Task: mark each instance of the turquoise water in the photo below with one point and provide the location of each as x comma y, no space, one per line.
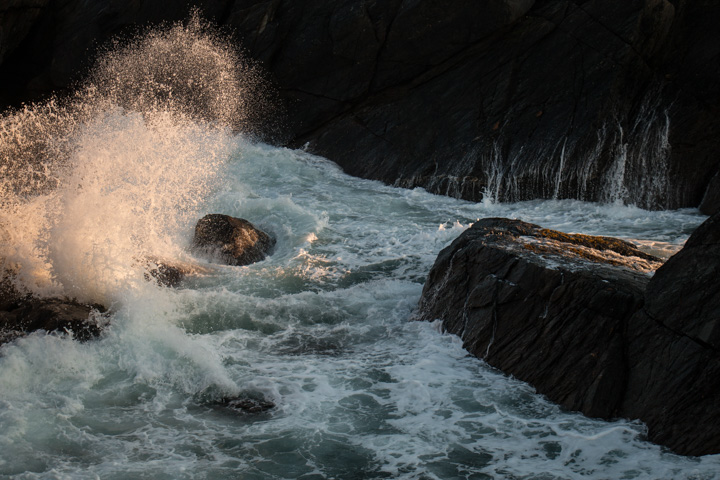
322,328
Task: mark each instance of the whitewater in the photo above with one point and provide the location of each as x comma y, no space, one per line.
165,132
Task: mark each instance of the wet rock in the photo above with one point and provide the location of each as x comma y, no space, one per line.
17,18
164,274
247,404
674,349
580,319
517,87
546,307
171,273
711,200
232,240
23,314
552,94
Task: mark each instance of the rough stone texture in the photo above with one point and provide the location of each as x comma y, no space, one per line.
171,273
559,328
247,404
587,328
24,314
711,200
521,98
165,274
232,240
674,348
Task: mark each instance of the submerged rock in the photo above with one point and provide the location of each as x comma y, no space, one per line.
165,274
234,241
247,404
170,273
580,319
23,314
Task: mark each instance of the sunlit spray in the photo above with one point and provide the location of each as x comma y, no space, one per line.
96,184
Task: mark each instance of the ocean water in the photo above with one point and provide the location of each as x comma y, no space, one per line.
322,328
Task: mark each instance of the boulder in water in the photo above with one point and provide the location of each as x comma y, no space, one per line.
247,404
235,241
580,318
23,314
165,274
170,273
547,307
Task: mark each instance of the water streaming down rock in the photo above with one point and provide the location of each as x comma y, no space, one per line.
626,162
421,94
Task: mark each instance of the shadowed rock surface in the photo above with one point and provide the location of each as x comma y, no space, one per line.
23,314
674,348
590,99
542,306
171,273
247,404
580,319
234,241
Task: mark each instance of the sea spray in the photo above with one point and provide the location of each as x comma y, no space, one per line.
319,328
96,183
188,69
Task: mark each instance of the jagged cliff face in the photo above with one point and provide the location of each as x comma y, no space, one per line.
513,99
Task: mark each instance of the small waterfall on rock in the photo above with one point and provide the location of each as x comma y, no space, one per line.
626,163
639,172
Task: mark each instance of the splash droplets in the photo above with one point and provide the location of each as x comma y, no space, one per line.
93,183
189,70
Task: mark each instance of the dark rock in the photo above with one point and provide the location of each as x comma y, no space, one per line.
673,385
711,200
590,99
17,18
171,273
60,39
165,274
683,294
578,318
674,348
247,404
547,307
572,99
23,314
232,240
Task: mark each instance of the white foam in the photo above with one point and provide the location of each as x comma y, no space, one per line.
320,327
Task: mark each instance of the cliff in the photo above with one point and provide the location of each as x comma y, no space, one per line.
516,99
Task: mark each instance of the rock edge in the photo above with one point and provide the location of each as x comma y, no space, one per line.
591,330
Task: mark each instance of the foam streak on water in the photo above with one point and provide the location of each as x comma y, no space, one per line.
321,328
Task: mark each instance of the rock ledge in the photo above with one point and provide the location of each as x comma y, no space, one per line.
580,318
